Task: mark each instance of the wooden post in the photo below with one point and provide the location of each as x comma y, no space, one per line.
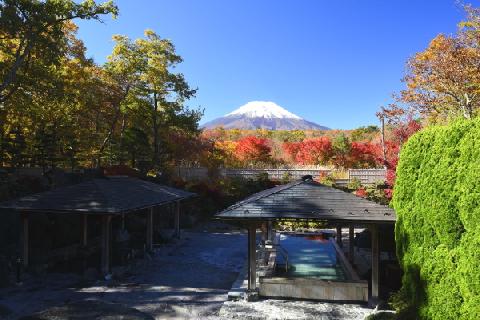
25,240
351,246
264,233
177,220
85,230
252,258
375,262
149,232
270,231
339,236
106,243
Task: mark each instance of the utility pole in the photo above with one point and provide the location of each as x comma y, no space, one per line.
381,116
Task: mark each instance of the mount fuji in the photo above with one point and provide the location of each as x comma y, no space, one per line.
262,115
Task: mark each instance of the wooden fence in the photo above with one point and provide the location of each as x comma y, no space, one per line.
365,176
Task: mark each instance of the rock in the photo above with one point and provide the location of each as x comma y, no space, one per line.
91,274
4,311
251,295
119,272
4,279
382,315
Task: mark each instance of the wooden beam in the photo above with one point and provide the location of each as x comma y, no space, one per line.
177,219
252,258
375,262
149,232
25,240
106,244
351,244
85,230
339,236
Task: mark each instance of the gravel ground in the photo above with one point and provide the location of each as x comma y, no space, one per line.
292,310
189,280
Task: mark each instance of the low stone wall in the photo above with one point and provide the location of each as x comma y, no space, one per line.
314,289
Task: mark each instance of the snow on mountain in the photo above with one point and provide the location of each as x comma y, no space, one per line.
263,109
265,115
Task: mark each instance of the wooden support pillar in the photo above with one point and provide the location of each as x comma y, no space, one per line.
339,236
351,244
106,243
25,240
270,233
149,232
375,262
177,219
85,230
252,258
264,232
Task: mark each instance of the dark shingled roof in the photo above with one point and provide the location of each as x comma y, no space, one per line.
110,195
308,200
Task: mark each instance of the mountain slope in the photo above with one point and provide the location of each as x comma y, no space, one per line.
265,115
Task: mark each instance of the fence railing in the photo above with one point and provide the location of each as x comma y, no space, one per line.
365,176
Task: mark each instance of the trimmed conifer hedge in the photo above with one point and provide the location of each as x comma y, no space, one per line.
437,201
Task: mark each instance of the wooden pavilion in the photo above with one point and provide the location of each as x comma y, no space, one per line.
310,200
107,197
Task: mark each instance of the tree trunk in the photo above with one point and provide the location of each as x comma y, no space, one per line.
122,132
155,129
23,51
112,126
108,136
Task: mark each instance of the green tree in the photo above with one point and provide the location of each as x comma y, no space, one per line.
33,38
443,82
156,95
341,149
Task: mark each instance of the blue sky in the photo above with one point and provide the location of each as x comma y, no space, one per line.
331,62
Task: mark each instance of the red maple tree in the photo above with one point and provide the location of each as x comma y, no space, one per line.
310,151
253,149
364,155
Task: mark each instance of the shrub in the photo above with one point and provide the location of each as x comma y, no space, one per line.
354,184
328,180
437,200
382,315
286,177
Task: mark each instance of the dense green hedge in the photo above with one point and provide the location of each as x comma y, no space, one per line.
437,200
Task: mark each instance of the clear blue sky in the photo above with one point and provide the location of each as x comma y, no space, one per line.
332,62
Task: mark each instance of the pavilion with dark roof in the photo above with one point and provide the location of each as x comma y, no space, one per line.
309,200
106,197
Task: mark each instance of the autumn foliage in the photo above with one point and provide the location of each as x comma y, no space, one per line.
364,155
310,151
253,149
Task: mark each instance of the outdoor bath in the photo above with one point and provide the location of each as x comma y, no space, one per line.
316,270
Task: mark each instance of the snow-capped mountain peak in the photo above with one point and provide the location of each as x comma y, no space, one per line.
262,115
263,109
